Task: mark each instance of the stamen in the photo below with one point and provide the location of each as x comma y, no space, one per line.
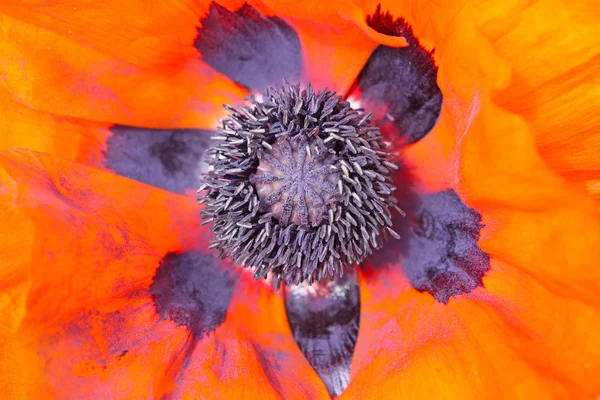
299,185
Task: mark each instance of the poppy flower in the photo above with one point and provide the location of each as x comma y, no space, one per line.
478,124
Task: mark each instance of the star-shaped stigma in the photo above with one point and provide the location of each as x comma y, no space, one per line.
297,181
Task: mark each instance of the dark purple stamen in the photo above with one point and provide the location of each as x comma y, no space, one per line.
299,185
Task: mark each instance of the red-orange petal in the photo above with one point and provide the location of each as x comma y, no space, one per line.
114,226
75,240
72,139
513,338
163,158
555,77
532,329
491,157
334,52
563,113
134,31
61,60
335,38
332,12
80,249
548,61
86,74
536,220
252,350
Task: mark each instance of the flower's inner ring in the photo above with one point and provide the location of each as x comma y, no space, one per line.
299,185
296,181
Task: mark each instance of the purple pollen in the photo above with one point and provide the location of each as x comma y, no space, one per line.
299,185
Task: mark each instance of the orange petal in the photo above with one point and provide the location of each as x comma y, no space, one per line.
112,235
433,162
511,339
77,306
131,353
501,174
334,52
335,38
555,79
548,60
430,21
252,350
20,366
133,31
333,13
115,226
59,73
491,159
163,158
536,220
76,140
593,187
465,80
494,342
563,113
120,351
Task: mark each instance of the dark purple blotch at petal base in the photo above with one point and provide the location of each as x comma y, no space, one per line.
254,51
324,318
438,249
401,81
168,159
441,255
194,290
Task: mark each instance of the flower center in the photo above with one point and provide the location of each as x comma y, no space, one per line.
299,185
296,181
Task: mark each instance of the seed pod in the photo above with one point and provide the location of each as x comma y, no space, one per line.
290,180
